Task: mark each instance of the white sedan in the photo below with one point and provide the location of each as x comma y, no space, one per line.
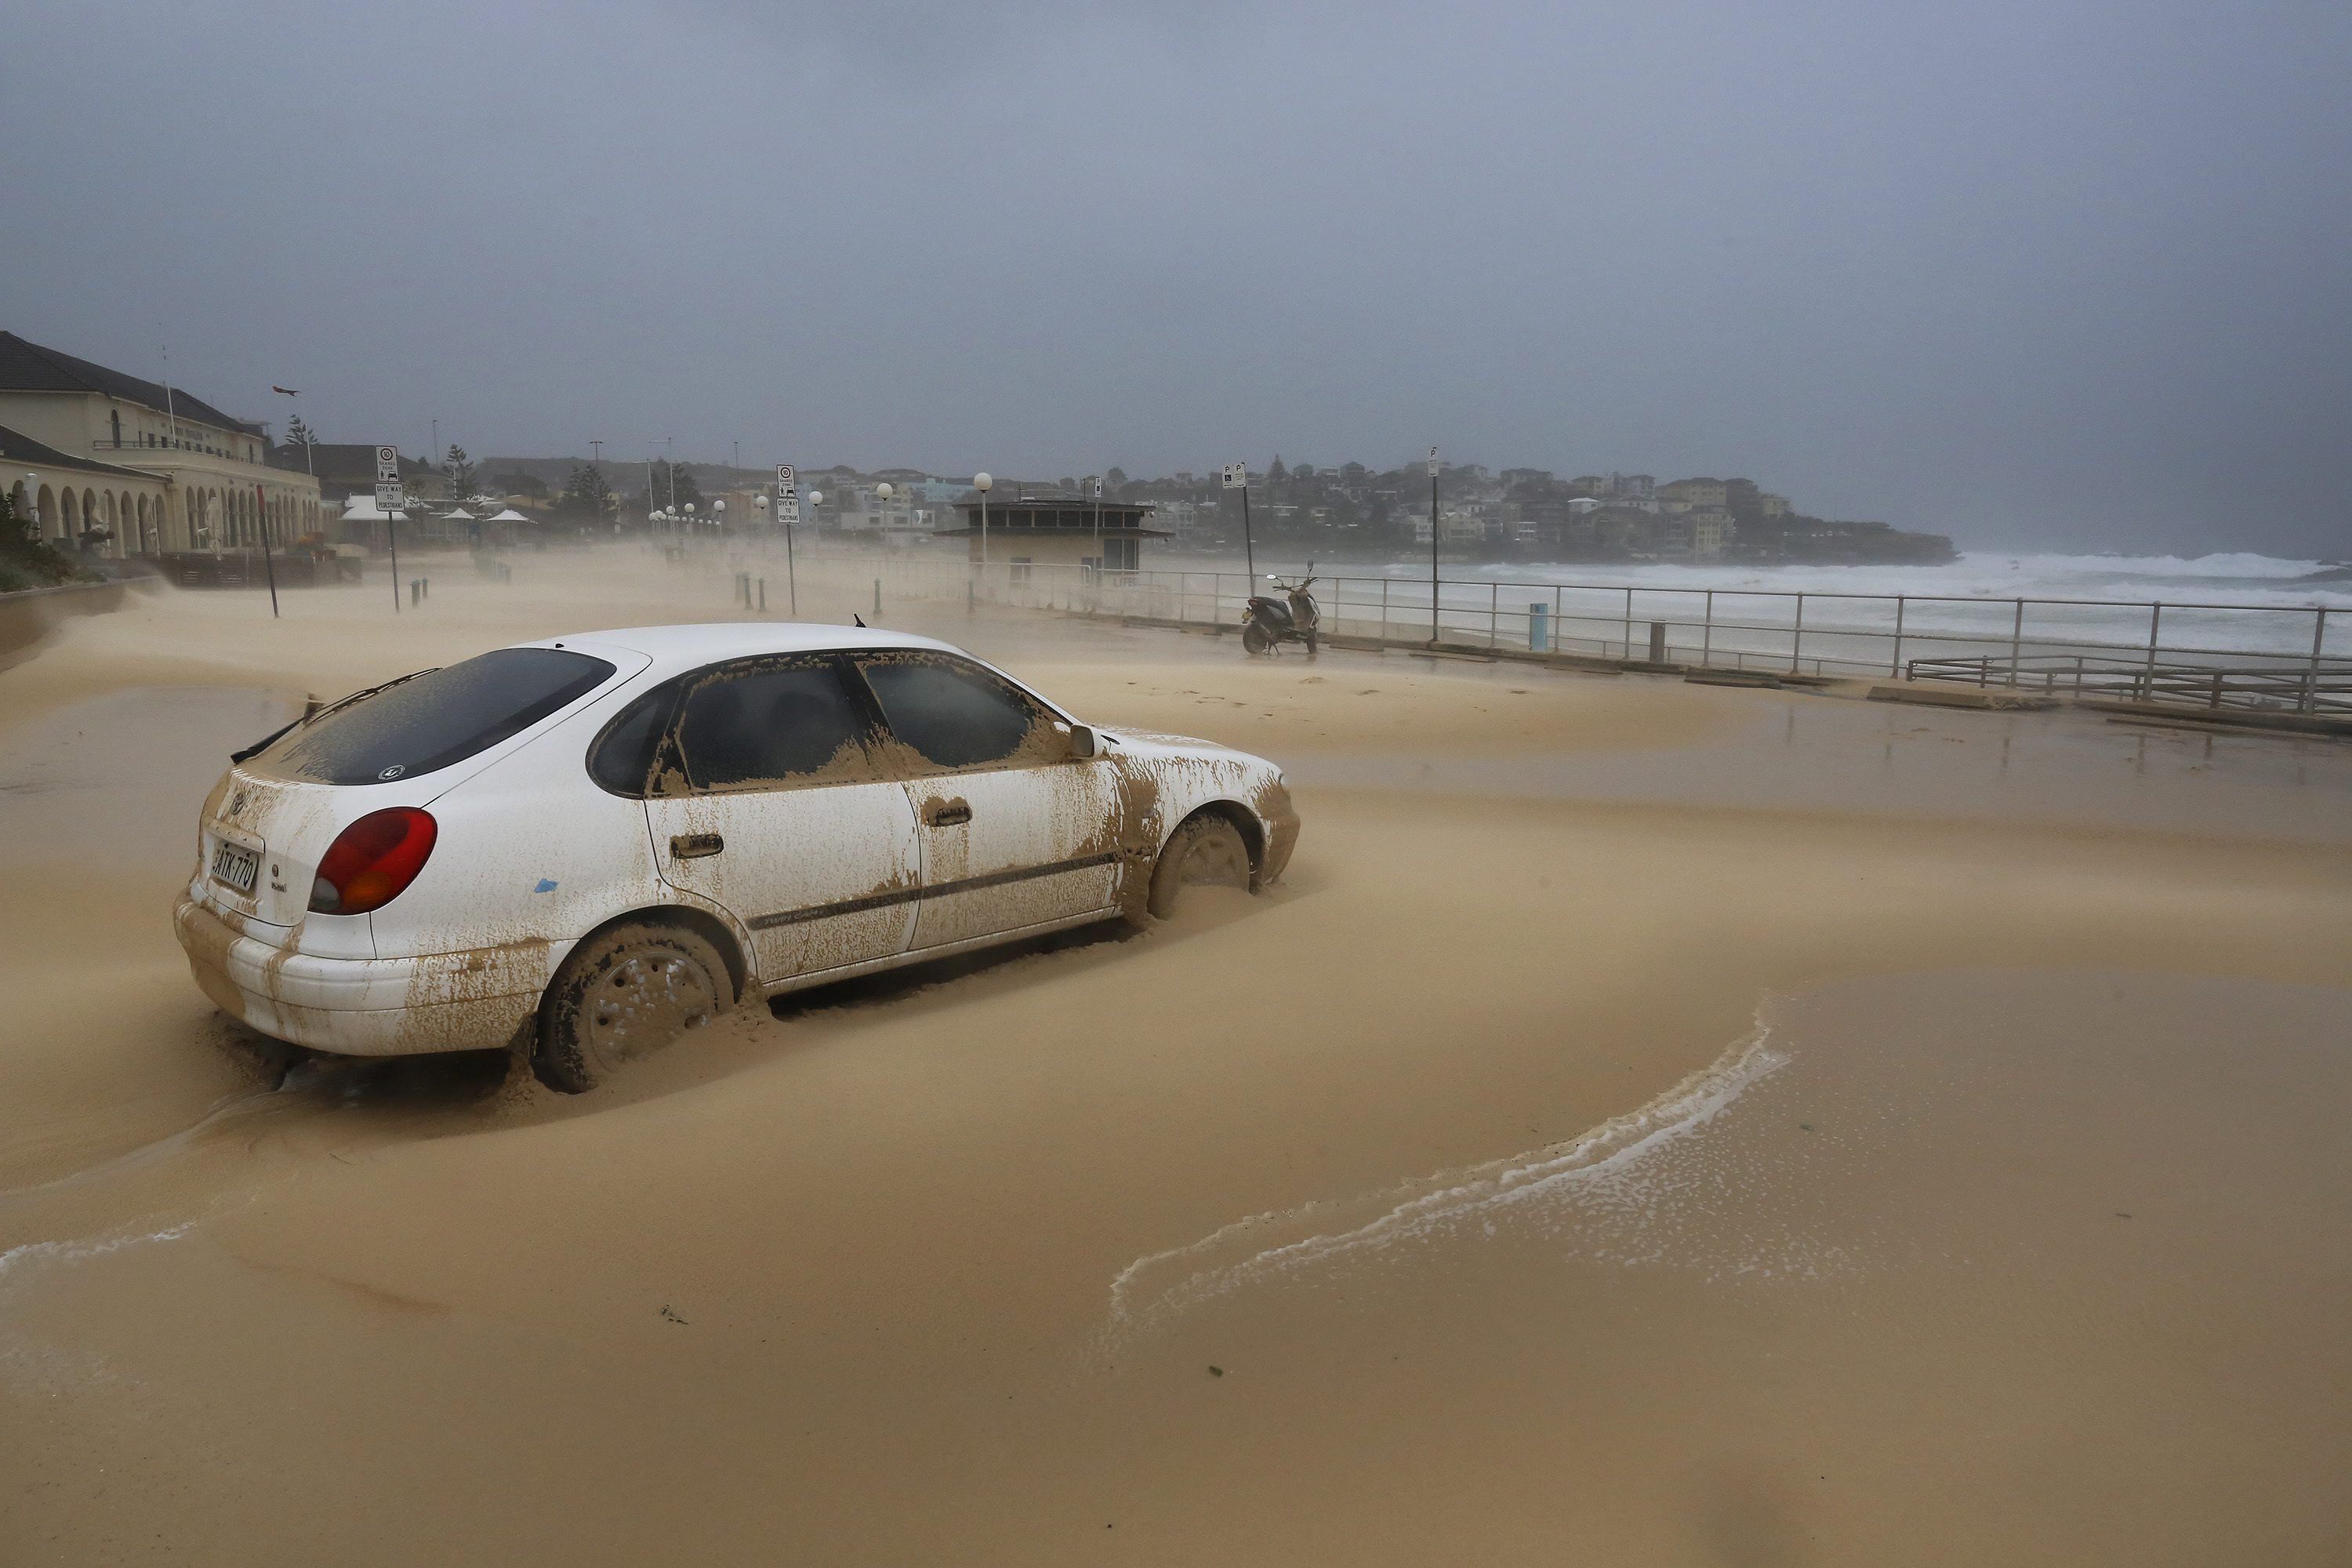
582,846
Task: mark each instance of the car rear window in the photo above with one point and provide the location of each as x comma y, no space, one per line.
431,720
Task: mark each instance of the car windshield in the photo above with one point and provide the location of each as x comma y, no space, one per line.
431,720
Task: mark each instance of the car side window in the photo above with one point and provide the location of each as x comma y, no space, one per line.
764,725
623,757
952,713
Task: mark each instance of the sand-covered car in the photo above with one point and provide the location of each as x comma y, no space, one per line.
581,846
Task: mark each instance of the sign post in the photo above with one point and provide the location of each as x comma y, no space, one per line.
261,510
387,501
1237,478
1432,547
788,513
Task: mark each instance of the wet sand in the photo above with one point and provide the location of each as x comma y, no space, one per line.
1649,1124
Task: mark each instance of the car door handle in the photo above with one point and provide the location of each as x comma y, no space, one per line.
694,846
947,814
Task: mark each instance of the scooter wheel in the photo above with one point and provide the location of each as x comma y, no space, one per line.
1255,638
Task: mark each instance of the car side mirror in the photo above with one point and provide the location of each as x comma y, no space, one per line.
1083,743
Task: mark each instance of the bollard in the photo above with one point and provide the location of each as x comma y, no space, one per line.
1539,629
1657,642
877,598
763,595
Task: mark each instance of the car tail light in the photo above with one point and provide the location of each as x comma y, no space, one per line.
371,861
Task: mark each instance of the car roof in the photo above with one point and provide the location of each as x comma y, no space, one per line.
673,648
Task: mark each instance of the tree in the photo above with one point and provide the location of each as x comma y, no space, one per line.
1115,482
586,497
673,485
299,433
457,469
1275,473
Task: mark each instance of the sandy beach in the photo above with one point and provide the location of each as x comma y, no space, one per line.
1648,1123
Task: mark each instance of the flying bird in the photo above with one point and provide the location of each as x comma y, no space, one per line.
287,390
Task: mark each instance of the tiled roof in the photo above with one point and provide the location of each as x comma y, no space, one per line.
28,367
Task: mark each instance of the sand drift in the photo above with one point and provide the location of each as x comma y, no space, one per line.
2013,1227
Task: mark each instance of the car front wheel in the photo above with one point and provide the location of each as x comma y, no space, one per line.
1207,851
622,994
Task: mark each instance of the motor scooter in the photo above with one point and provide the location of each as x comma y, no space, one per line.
1267,620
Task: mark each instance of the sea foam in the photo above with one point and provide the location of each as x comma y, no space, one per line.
1265,1246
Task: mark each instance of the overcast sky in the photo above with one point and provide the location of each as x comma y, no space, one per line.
2055,273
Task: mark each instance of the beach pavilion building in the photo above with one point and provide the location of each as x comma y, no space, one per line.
1055,528
135,468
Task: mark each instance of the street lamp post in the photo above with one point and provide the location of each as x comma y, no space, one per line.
983,484
1432,547
792,576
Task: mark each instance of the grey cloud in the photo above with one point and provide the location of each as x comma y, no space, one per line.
2068,274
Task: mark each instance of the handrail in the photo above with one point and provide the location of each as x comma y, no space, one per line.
1827,632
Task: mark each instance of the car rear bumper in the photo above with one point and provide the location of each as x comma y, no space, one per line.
366,1007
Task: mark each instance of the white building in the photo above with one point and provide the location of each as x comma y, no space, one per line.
138,466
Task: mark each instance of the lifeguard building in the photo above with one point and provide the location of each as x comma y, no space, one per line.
1057,529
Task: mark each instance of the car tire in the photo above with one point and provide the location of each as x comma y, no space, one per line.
624,993
1255,638
1207,850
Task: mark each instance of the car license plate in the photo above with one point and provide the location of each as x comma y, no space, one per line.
236,866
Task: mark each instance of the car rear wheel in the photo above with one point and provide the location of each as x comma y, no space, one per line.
622,994
1207,851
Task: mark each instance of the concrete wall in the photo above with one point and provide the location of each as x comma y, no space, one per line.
26,617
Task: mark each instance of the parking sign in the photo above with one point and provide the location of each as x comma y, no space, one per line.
1236,476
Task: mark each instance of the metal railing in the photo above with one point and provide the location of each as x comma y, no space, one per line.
165,443
2298,658
2325,690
